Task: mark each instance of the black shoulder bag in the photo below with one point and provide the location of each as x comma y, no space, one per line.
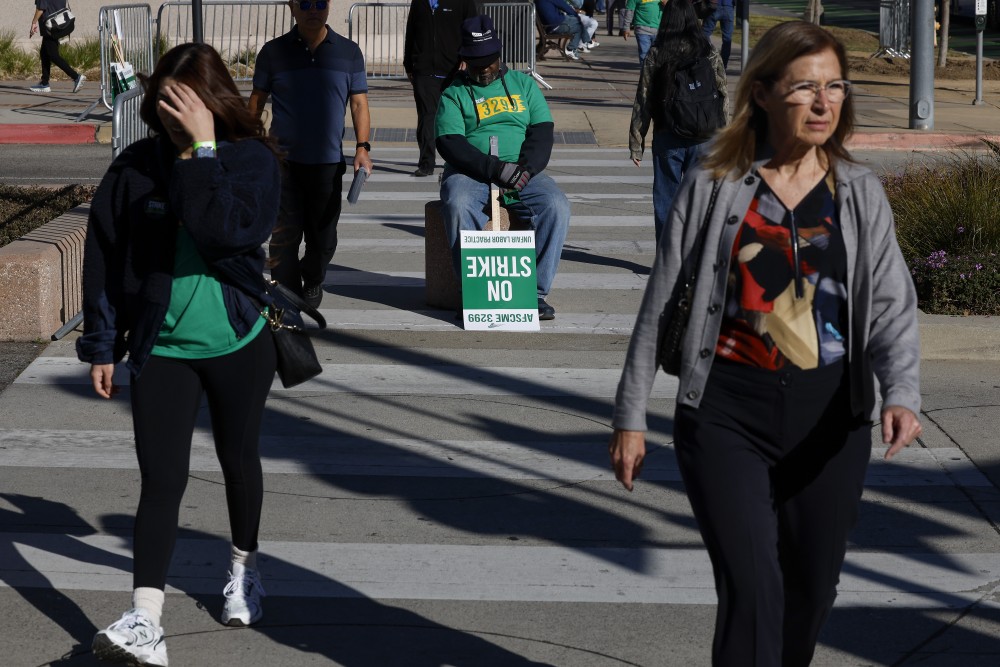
297,361
672,340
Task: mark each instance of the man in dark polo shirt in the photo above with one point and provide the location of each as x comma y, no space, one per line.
312,74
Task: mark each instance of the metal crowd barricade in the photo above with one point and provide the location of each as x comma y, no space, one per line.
131,26
126,125
515,23
893,29
237,29
379,29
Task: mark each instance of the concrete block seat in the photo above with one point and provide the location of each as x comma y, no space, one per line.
443,289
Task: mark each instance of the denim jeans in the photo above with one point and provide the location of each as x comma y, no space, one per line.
643,42
725,17
543,206
571,26
672,158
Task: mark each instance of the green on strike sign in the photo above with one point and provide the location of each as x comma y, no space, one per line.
499,285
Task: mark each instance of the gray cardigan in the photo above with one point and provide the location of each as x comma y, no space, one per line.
882,303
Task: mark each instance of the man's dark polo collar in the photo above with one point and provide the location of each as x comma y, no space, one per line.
294,33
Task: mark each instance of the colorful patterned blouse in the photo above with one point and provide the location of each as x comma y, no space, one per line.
786,306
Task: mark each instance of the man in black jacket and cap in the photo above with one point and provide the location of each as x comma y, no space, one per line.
430,58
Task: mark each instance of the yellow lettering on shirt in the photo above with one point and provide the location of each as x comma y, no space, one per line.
500,104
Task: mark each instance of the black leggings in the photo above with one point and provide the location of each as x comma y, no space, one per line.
50,56
166,398
773,465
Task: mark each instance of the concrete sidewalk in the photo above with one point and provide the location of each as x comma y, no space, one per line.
591,101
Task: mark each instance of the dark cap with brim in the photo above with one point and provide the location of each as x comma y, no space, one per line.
484,61
479,40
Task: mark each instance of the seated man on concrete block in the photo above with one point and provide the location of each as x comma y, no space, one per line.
484,100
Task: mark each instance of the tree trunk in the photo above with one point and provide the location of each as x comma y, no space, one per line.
945,25
814,10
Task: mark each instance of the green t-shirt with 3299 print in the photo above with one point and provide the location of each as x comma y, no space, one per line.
479,112
197,324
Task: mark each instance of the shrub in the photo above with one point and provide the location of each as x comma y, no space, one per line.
15,62
948,225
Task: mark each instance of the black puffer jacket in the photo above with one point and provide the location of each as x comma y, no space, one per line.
434,37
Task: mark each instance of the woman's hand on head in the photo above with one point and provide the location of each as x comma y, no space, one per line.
101,377
179,101
627,450
899,428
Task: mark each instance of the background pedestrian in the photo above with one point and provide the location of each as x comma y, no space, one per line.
49,52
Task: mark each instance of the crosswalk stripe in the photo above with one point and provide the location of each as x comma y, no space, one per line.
644,195
377,379
483,572
644,179
394,245
575,221
558,460
587,281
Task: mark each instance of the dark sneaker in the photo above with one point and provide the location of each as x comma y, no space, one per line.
78,84
421,172
313,295
545,311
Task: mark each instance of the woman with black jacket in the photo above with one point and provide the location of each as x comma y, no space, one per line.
173,276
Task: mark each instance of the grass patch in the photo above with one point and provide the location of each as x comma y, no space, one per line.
24,209
15,62
861,45
948,226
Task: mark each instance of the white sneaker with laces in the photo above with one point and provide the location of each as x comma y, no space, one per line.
132,639
40,88
571,54
78,84
592,44
243,594
583,48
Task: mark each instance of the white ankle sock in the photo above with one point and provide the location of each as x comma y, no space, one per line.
247,559
150,599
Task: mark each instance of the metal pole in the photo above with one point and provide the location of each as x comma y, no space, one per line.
745,33
197,31
922,66
979,68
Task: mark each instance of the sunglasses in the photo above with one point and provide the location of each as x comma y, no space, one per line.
306,5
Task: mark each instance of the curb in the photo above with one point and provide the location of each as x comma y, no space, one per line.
49,133
913,140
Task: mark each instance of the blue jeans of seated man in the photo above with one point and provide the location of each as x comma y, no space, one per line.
672,158
643,42
543,206
726,18
571,26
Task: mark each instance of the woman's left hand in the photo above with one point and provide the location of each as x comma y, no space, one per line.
190,111
899,428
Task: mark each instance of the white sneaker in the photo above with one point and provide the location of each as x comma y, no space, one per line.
571,54
78,84
243,594
40,88
592,44
132,639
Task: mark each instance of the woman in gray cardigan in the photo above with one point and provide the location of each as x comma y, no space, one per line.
801,301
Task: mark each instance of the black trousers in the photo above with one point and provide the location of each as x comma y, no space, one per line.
50,56
166,398
774,466
426,95
310,210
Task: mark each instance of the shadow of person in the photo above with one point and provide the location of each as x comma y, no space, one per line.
28,528
309,613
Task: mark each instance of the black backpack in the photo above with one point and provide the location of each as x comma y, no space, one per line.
689,103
